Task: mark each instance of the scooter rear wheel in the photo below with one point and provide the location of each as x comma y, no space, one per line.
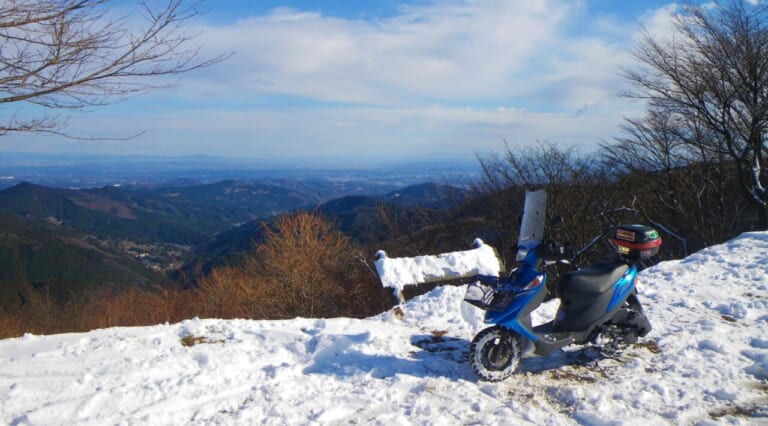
495,353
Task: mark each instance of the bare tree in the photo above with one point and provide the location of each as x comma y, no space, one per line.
71,54
579,188
711,76
688,188
650,144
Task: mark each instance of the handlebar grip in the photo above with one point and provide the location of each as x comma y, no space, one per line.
553,250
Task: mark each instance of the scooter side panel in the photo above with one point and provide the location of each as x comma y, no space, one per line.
584,314
623,288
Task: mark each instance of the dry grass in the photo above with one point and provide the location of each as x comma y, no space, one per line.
191,340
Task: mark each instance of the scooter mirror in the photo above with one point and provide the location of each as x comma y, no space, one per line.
556,222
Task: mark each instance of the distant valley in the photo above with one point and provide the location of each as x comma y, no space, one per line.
145,234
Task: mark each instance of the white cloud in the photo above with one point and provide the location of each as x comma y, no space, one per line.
451,76
474,51
659,22
445,51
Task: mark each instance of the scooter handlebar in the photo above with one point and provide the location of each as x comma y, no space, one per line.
554,250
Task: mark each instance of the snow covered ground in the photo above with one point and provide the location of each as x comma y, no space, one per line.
705,362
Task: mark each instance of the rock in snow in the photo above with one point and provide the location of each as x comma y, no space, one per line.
705,362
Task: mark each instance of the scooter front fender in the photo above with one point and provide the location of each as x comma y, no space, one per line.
514,317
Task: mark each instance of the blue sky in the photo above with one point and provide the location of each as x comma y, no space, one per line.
364,82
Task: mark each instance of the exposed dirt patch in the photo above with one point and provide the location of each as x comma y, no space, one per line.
191,340
574,376
437,335
439,343
446,347
524,395
754,409
104,205
398,312
748,410
754,296
649,345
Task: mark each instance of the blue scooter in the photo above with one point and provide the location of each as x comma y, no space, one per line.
598,303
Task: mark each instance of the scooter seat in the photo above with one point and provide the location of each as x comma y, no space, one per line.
590,281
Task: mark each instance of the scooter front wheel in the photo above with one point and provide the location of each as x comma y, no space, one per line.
495,353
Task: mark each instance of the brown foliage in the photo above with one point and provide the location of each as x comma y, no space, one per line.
232,292
304,263
135,307
40,313
10,325
304,268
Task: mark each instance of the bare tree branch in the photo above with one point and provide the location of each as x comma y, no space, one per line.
73,54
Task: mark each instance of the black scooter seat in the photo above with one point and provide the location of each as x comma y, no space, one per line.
591,281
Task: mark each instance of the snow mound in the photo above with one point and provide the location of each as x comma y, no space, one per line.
705,362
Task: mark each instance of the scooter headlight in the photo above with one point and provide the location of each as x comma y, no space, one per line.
522,252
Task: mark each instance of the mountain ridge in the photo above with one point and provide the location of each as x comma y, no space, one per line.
161,227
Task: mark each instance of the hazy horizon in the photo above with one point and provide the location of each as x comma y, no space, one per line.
97,170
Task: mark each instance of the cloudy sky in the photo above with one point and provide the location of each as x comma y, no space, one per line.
383,80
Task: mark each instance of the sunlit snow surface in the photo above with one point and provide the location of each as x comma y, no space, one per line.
705,362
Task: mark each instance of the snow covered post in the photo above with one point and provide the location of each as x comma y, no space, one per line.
397,273
382,259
